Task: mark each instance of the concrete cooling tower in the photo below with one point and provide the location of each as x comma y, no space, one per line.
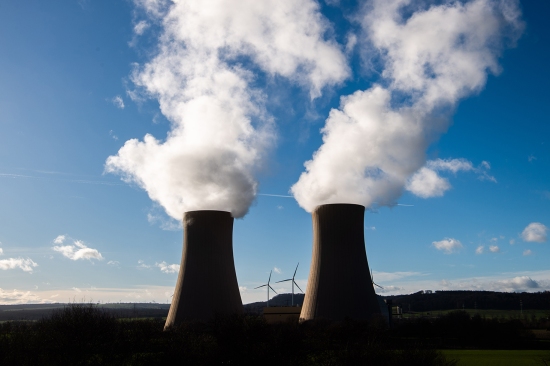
339,284
207,282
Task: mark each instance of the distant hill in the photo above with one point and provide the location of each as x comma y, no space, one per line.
418,302
447,300
278,300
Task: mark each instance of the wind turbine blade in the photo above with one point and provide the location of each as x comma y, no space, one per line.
296,270
377,285
290,279
269,276
298,286
259,286
272,289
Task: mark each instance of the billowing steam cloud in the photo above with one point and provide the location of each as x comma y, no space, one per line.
210,54
433,56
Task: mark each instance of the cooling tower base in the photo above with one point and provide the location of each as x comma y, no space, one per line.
339,284
207,282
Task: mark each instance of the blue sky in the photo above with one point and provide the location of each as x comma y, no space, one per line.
70,99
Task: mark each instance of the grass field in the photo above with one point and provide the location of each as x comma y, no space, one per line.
487,313
499,357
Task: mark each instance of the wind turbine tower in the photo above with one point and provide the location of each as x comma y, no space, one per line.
293,283
268,287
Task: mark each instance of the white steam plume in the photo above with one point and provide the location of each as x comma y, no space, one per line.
210,53
378,137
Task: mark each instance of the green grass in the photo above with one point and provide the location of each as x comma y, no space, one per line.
498,357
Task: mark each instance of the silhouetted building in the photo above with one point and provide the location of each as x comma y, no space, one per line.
339,284
207,282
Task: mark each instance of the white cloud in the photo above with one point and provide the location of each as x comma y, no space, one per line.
517,284
393,276
480,249
25,265
141,27
77,289
209,57
18,297
494,249
78,251
242,288
168,268
1,251
387,289
527,252
448,245
59,240
277,270
431,60
512,241
427,183
534,232
531,158
113,263
118,102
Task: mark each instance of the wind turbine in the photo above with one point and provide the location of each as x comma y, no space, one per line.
293,283
268,287
372,280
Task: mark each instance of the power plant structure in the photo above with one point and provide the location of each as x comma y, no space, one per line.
207,282
340,284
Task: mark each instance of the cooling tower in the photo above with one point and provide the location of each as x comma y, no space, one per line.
339,284
207,282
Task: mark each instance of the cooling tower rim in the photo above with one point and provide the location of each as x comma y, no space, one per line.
338,204
193,211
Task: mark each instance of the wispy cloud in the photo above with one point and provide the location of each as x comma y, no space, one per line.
156,217
142,265
168,268
81,181
77,251
515,281
277,270
393,276
427,182
141,27
118,102
448,245
527,252
25,265
480,249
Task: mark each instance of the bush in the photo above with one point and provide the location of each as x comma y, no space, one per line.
84,335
